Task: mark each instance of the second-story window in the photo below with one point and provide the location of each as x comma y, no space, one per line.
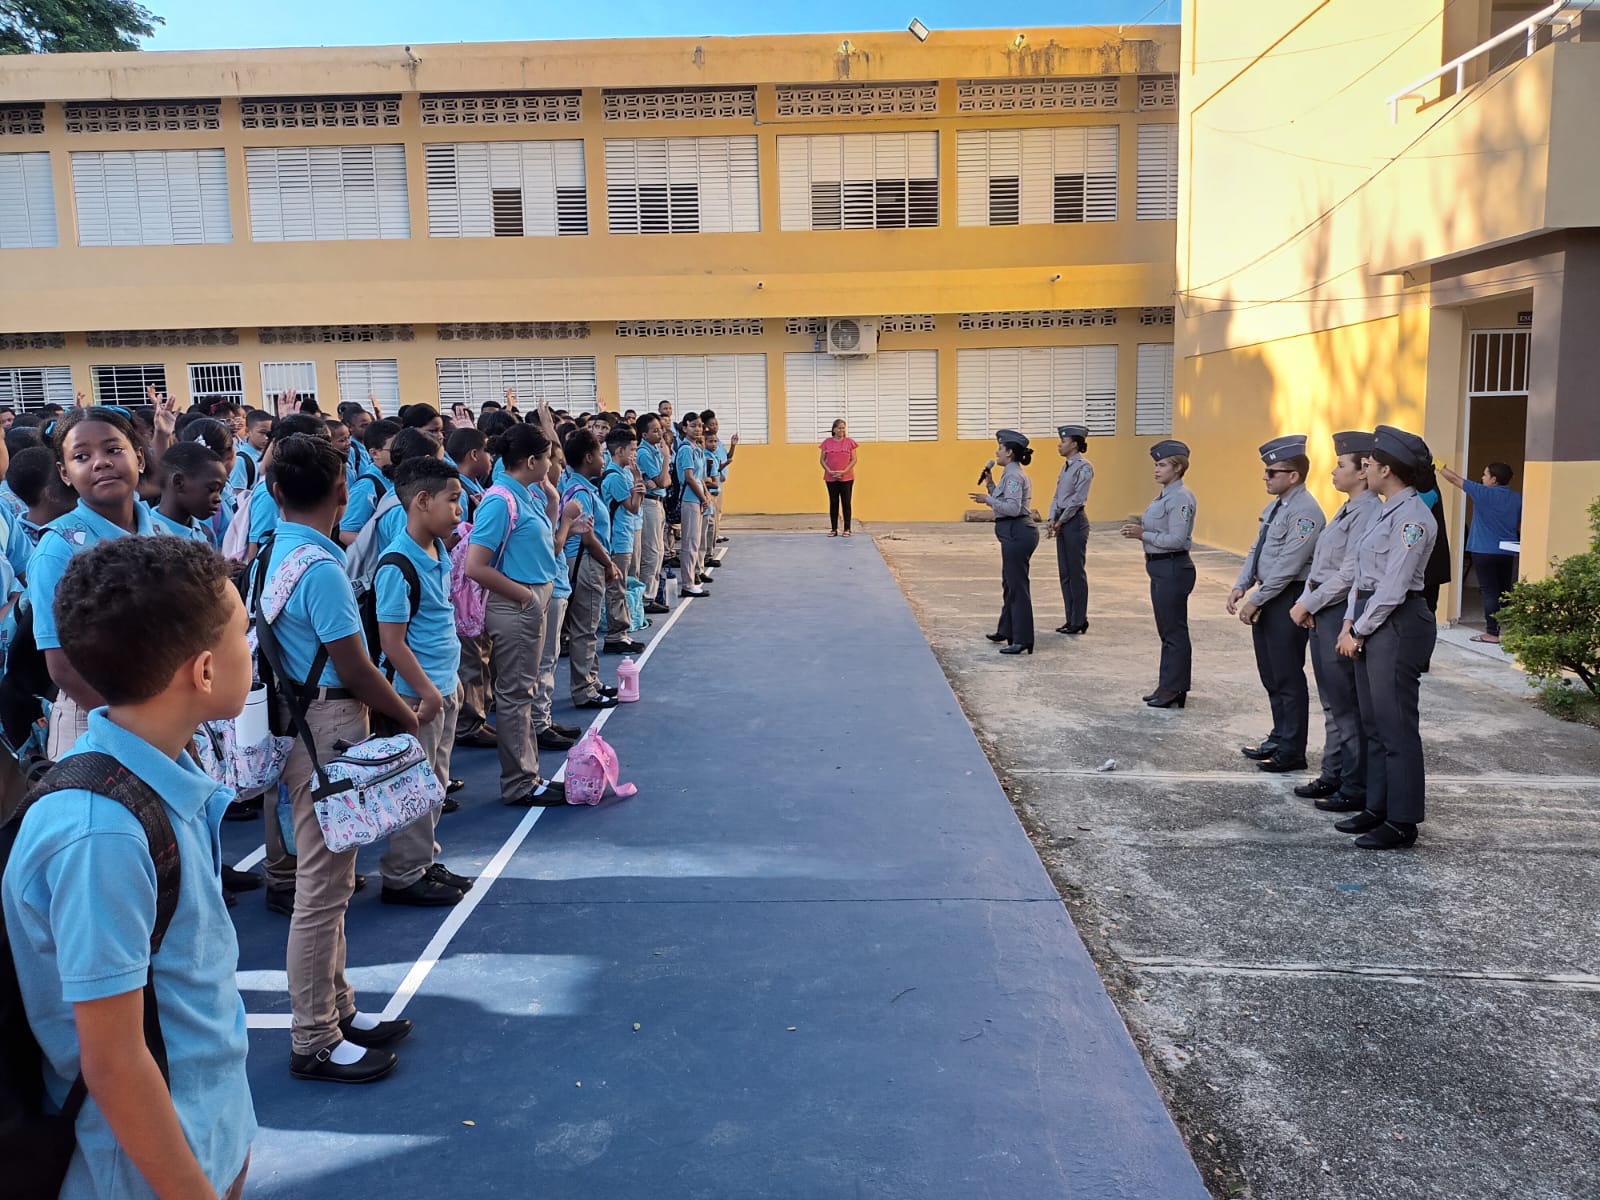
151,197
1158,173
507,189
1037,176
327,193
27,201
859,181
682,185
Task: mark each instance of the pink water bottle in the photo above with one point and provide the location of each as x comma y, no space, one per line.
627,681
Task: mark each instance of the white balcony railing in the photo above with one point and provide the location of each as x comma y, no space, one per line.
1561,19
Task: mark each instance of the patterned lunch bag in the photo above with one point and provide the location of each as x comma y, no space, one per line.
373,788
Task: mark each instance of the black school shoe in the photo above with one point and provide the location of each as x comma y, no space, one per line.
369,1068
623,647
1340,804
571,731
655,609
381,1035
1279,763
240,881
243,810
1265,749
1391,835
424,893
443,874
600,701
552,739
1363,822
548,794
1318,788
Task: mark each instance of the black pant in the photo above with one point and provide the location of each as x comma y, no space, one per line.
839,493
1019,538
1388,683
1072,547
1171,581
1281,664
1344,753
1497,573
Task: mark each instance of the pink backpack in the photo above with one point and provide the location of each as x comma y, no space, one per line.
591,768
466,595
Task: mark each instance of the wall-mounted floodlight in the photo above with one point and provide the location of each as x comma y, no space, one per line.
845,47
918,30
1055,279
1020,41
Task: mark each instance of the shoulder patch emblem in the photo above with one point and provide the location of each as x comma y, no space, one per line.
1188,512
1305,526
76,537
1411,534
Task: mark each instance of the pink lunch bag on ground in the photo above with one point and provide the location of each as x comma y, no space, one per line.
591,768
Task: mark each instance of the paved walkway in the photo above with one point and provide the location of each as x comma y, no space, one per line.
1326,1024
816,956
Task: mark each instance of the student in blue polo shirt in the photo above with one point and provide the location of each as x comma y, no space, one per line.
80,889
511,555
1496,518
371,485
263,514
652,464
622,489
251,448
192,479
422,655
37,481
215,436
102,456
468,449
408,445
330,1040
690,467
589,568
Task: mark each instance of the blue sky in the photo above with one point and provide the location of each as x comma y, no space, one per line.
233,24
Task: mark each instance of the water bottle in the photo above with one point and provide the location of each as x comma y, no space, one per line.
627,680
670,590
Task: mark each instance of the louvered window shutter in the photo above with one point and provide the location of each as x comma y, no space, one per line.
565,382
327,193
682,185
859,181
362,378
28,388
506,189
209,382
890,397
27,202
151,197
125,383
1035,389
1153,399
1158,173
1037,176
280,377
734,385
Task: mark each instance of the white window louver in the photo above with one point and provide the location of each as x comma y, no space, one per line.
1158,173
1152,409
567,383
1037,176
209,382
280,377
126,383
361,379
151,197
27,202
23,389
732,385
859,181
683,185
507,189
891,397
1034,389
327,193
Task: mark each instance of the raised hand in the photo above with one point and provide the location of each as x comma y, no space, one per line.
166,414
377,413
461,417
288,402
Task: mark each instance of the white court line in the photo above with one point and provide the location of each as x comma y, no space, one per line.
459,913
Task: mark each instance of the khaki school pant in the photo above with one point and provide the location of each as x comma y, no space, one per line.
583,629
473,709
516,638
544,693
652,546
410,849
690,544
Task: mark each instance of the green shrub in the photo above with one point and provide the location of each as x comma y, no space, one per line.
1552,625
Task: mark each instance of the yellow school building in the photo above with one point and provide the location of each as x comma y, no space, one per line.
1389,211
928,238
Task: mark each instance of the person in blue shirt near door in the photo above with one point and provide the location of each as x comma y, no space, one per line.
1496,518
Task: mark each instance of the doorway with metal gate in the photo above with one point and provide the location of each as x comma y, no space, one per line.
1496,427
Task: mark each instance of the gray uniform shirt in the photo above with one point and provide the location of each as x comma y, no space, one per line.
1333,565
1012,496
1391,559
1283,545
1169,521
1072,489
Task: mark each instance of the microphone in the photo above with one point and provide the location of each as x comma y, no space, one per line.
986,471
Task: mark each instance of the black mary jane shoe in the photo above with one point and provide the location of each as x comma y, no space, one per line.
997,637
1363,822
1317,789
370,1067
1388,836
380,1035
1015,649
1168,700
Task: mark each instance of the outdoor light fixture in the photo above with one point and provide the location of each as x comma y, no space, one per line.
845,47
1055,278
1020,41
918,30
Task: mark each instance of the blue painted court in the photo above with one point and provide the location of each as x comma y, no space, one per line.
849,973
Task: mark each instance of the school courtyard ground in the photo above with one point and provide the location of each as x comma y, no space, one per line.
818,954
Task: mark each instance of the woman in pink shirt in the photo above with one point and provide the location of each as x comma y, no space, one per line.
839,472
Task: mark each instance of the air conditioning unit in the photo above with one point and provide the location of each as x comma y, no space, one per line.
852,337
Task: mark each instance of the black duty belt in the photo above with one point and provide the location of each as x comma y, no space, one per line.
326,693
1166,554
1368,595
657,499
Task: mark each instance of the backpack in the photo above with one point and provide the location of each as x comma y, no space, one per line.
236,542
591,768
36,1145
361,559
367,605
467,596
673,504
249,472
26,691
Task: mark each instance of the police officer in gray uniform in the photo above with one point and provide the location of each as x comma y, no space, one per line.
1342,784
1012,501
1276,567
1068,523
1166,531
1389,631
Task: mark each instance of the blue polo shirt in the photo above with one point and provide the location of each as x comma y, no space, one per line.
431,634
241,476
617,485
193,530
471,493
12,502
14,539
321,609
69,534
365,492
1496,517
80,903
528,555
263,513
650,464
576,487
686,460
